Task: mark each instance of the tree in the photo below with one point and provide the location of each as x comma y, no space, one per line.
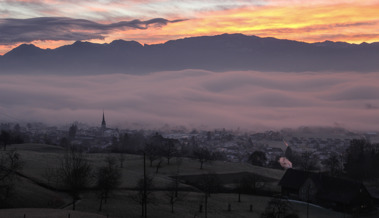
361,159
249,184
10,164
152,152
202,154
169,149
278,208
108,179
172,192
64,142
72,131
209,183
144,194
121,158
5,138
74,173
309,161
258,158
333,163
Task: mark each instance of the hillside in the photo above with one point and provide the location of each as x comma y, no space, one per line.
38,158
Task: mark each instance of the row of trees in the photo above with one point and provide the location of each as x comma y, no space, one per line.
360,160
10,137
75,173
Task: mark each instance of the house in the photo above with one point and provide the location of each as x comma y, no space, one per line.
337,193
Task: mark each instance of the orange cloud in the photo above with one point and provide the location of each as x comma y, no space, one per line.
349,20
352,23
310,23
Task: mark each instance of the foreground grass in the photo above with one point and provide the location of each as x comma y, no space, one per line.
39,158
45,213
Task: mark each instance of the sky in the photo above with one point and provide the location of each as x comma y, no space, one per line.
248,100
192,98
53,23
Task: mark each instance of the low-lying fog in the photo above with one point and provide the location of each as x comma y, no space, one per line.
248,99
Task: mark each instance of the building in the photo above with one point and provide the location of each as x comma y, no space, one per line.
108,132
332,192
103,124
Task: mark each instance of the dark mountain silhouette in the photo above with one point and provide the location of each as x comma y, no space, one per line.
217,53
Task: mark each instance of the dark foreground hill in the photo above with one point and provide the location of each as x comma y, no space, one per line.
217,53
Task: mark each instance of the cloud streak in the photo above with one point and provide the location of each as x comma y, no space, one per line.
352,21
68,29
193,98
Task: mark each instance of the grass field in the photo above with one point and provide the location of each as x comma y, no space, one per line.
38,158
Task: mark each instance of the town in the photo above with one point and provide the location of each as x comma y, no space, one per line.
230,145
306,154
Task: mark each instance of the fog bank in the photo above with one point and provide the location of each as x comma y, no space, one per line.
193,98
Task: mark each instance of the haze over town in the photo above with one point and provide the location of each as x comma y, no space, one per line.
250,100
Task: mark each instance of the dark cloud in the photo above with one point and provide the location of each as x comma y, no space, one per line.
370,106
194,98
64,28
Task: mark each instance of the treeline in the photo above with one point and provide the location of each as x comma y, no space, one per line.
158,148
8,137
359,161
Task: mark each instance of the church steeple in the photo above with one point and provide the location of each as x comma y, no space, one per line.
103,124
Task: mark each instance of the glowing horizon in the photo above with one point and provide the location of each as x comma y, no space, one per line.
158,21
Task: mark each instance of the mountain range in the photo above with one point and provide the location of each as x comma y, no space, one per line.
216,53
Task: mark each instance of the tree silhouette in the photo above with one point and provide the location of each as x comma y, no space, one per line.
74,173
172,192
10,165
334,164
5,138
145,194
308,161
258,158
202,154
361,160
169,149
72,131
278,208
108,178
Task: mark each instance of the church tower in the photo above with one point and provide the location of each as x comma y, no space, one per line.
103,124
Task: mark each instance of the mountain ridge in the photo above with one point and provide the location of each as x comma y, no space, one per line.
217,53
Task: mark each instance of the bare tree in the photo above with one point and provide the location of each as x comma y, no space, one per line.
152,152
209,183
278,208
72,130
10,165
249,184
121,158
172,192
5,138
74,173
144,194
309,161
258,158
108,178
169,149
334,164
202,154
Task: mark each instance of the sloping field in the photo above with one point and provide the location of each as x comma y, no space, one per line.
45,213
39,158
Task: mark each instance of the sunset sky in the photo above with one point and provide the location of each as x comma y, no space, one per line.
52,23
